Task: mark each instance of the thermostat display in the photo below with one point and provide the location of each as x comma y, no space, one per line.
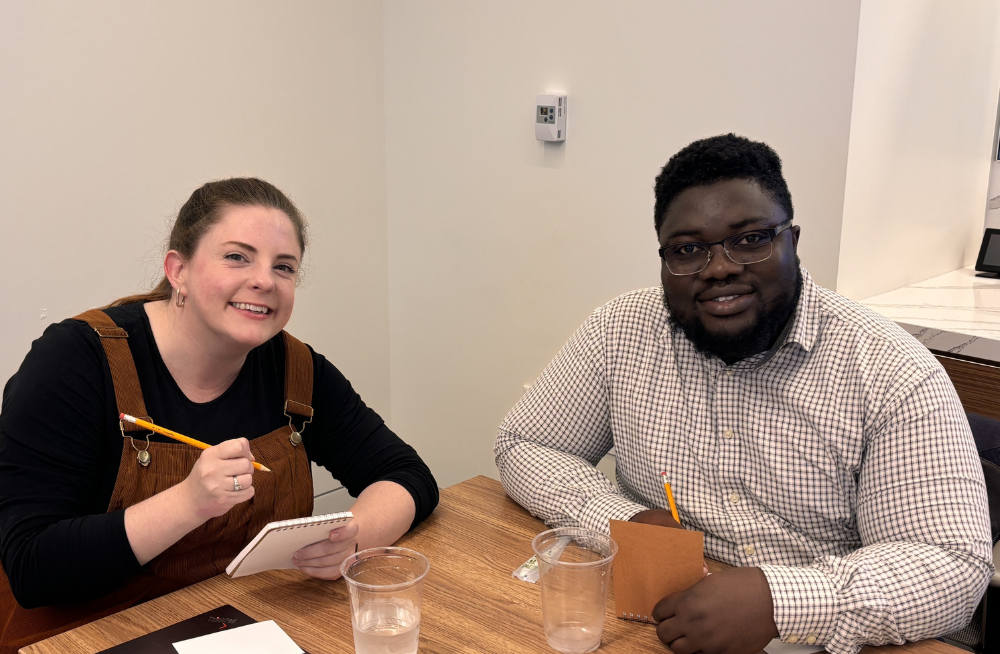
550,117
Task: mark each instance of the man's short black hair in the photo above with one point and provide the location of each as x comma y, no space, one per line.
717,159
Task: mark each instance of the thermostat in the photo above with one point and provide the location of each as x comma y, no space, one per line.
550,117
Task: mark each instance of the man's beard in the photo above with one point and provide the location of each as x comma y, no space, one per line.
757,338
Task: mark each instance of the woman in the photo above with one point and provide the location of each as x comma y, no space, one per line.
95,518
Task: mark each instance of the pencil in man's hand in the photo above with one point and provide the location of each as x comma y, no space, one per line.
670,497
177,437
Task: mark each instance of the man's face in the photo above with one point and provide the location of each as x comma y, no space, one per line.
730,310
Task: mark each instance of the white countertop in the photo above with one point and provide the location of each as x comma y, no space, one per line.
955,302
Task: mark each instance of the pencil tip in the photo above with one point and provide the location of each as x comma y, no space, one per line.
264,468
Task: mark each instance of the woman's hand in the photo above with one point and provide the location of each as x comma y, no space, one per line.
211,486
322,560
159,521
382,513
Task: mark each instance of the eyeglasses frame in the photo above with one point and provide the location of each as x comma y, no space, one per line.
773,231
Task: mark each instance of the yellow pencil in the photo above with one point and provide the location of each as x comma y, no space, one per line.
177,437
670,497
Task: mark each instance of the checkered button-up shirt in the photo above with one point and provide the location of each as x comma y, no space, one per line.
840,462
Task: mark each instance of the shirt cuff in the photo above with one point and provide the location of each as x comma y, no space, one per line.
805,606
600,510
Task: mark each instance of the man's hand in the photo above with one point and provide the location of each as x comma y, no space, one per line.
656,517
729,612
661,518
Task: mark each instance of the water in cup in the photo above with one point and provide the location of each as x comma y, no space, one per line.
386,591
573,617
574,573
578,638
387,628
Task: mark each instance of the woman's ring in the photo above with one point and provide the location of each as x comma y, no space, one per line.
236,485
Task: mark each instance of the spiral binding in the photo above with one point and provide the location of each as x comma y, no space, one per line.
297,523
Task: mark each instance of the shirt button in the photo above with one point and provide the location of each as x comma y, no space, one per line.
728,433
810,639
729,373
792,639
735,498
749,550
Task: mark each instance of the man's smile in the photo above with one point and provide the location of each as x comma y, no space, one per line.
726,301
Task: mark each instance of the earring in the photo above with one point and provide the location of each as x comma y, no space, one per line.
180,299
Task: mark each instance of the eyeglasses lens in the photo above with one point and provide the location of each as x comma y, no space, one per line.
744,249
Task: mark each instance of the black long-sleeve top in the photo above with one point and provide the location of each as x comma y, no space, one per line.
60,449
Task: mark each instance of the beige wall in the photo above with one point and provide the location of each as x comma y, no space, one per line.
500,246
925,104
404,131
112,112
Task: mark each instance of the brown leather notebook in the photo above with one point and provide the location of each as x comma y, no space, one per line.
651,563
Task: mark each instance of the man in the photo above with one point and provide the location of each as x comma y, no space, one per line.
822,450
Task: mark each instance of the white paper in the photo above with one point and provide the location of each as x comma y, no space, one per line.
257,638
778,647
273,547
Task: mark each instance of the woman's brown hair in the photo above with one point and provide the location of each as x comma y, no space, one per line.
204,208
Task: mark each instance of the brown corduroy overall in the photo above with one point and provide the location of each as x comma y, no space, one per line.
205,552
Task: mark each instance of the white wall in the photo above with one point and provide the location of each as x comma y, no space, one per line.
112,112
500,246
993,194
925,102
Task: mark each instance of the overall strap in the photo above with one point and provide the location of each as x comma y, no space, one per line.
298,381
128,392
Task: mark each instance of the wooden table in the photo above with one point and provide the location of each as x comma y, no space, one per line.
474,540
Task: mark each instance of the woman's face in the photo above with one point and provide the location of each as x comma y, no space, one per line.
240,281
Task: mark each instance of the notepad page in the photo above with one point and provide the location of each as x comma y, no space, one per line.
273,547
258,638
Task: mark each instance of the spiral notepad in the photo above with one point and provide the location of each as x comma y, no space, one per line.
652,562
273,547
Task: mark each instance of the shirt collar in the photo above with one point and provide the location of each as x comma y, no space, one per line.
803,328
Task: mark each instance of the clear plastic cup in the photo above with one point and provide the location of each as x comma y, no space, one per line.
386,586
574,569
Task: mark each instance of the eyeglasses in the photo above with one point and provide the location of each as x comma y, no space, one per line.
743,248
